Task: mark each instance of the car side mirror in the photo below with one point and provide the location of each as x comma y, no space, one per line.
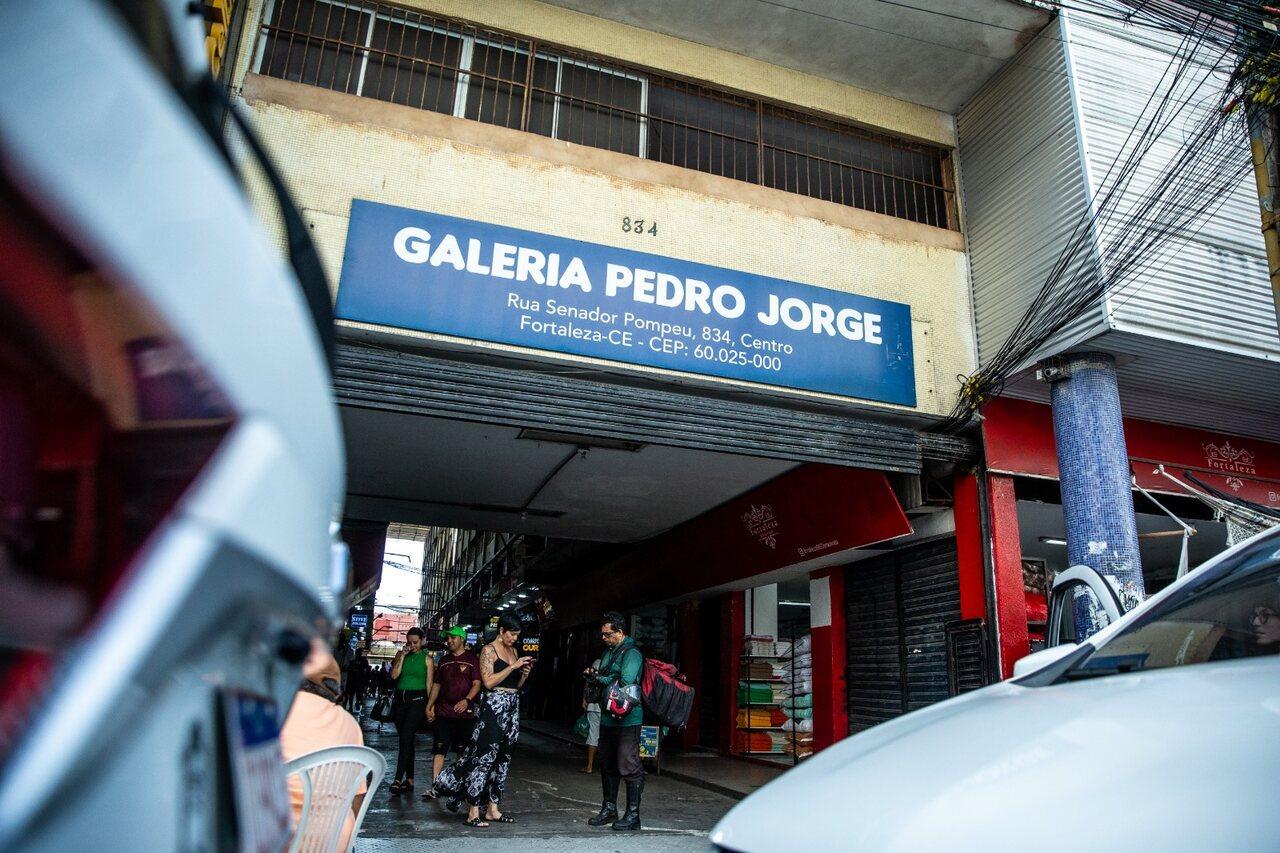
1041,659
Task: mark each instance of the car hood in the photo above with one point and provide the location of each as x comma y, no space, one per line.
1179,758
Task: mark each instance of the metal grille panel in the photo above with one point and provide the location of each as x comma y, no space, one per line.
405,57
419,384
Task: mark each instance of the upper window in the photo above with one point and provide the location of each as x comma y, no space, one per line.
406,57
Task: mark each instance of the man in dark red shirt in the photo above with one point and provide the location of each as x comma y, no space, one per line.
451,704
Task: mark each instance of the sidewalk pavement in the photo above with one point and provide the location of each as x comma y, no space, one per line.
550,800
732,777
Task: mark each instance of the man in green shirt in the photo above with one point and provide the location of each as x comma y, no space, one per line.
619,753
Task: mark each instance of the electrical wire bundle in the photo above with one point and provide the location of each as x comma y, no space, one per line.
1126,232
1250,31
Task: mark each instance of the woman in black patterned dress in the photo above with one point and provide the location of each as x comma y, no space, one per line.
480,775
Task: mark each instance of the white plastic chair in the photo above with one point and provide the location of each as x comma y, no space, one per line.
330,779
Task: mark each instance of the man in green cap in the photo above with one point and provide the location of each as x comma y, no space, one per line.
451,705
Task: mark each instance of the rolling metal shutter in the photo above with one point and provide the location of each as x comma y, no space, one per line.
390,380
930,599
898,607
874,660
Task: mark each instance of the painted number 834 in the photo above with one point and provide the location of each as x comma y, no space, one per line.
639,226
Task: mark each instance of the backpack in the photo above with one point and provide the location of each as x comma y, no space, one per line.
665,693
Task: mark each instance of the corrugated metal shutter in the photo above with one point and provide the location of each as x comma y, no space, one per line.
436,387
874,659
1206,286
897,608
930,599
1022,174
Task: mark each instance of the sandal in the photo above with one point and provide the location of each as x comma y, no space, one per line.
502,818
396,787
477,822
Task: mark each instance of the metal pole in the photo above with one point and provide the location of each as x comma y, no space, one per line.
1266,172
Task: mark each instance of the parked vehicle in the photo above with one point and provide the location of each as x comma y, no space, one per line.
171,468
1160,732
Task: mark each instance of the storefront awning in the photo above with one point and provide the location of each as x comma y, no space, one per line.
808,513
1019,440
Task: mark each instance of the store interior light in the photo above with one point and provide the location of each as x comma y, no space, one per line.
793,604
521,595
1053,540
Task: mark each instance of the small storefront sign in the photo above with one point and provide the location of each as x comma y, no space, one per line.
433,273
649,736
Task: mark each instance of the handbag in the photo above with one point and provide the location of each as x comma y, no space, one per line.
382,710
582,728
594,693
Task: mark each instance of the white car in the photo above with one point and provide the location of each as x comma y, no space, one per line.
1160,732
171,468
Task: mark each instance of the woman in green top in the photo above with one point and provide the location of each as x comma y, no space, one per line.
413,671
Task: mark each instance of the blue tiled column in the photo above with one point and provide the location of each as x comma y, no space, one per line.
1093,465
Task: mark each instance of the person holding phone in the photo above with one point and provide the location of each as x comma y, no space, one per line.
482,773
619,671
412,671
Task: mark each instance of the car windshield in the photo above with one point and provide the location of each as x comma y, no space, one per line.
1230,611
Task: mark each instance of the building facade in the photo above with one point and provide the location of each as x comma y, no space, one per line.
659,313
1164,394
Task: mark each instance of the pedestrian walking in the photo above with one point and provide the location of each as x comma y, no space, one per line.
412,670
591,694
357,682
480,776
618,675
451,704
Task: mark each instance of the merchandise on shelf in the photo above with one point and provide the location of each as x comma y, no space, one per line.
756,669
760,718
803,700
767,742
759,644
761,692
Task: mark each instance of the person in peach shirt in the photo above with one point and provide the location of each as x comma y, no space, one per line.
316,720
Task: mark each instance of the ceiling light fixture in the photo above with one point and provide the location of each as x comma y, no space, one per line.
1053,540
578,440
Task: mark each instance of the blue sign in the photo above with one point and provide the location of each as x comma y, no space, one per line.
648,741
416,270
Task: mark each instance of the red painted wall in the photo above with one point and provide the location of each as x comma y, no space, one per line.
970,559
1019,440
830,709
690,664
733,625
1006,554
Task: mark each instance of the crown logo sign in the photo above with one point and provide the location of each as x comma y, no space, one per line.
762,524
